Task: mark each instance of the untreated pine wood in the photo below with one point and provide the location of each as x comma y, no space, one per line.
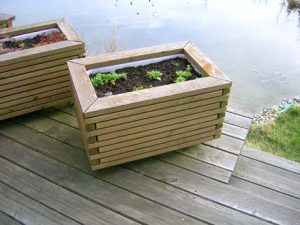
81,86
34,92
35,108
194,54
31,62
156,119
154,95
160,124
132,55
32,86
33,74
36,67
164,142
161,111
34,97
30,104
149,154
116,148
148,132
41,51
158,105
33,80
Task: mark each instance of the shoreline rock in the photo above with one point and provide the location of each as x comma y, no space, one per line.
270,114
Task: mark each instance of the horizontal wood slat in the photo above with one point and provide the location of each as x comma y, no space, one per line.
40,66
159,112
33,80
154,95
37,52
175,139
34,74
131,55
34,97
189,142
119,148
155,106
30,104
156,119
32,86
35,108
26,63
183,119
35,91
148,132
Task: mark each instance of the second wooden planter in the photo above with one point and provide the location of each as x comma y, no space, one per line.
35,78
135,125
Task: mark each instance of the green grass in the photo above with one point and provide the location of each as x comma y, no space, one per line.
281,137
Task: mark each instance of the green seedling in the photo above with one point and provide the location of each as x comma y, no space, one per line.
154,75
107,78
183,75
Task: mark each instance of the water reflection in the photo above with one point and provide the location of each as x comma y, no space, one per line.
255,42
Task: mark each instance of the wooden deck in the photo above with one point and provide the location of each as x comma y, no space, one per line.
45,179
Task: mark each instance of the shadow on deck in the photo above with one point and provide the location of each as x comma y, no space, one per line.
45,179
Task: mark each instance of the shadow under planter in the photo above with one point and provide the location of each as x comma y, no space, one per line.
37,77
139,124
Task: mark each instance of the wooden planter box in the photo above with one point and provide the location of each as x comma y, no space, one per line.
35,78
134,125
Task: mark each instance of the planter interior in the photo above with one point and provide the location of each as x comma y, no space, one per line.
36,78
135,125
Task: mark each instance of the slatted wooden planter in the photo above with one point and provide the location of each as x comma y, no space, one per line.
134,125
35,78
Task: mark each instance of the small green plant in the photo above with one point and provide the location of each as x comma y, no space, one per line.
107,78
183,75
137,88
154,75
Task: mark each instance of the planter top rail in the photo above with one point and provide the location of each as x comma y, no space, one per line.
90,103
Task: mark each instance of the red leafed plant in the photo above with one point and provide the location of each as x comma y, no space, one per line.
39,40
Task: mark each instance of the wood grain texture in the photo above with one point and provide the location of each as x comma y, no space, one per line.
202,116
162,111
75,53
41,51
270,159
65,201
83,89
95,190
155,106
68,30
26,210
36,108
131,55
194,54
154,95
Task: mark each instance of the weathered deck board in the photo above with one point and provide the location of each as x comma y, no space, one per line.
175,188
215,191
100,192
28,211
269,176
271,159
7,220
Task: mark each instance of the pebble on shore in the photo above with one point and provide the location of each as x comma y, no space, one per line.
270,114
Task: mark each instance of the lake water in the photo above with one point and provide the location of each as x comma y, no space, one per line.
256,43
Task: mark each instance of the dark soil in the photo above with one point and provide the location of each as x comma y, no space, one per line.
136,77
39,40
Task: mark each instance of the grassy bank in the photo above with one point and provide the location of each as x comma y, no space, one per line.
281,137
